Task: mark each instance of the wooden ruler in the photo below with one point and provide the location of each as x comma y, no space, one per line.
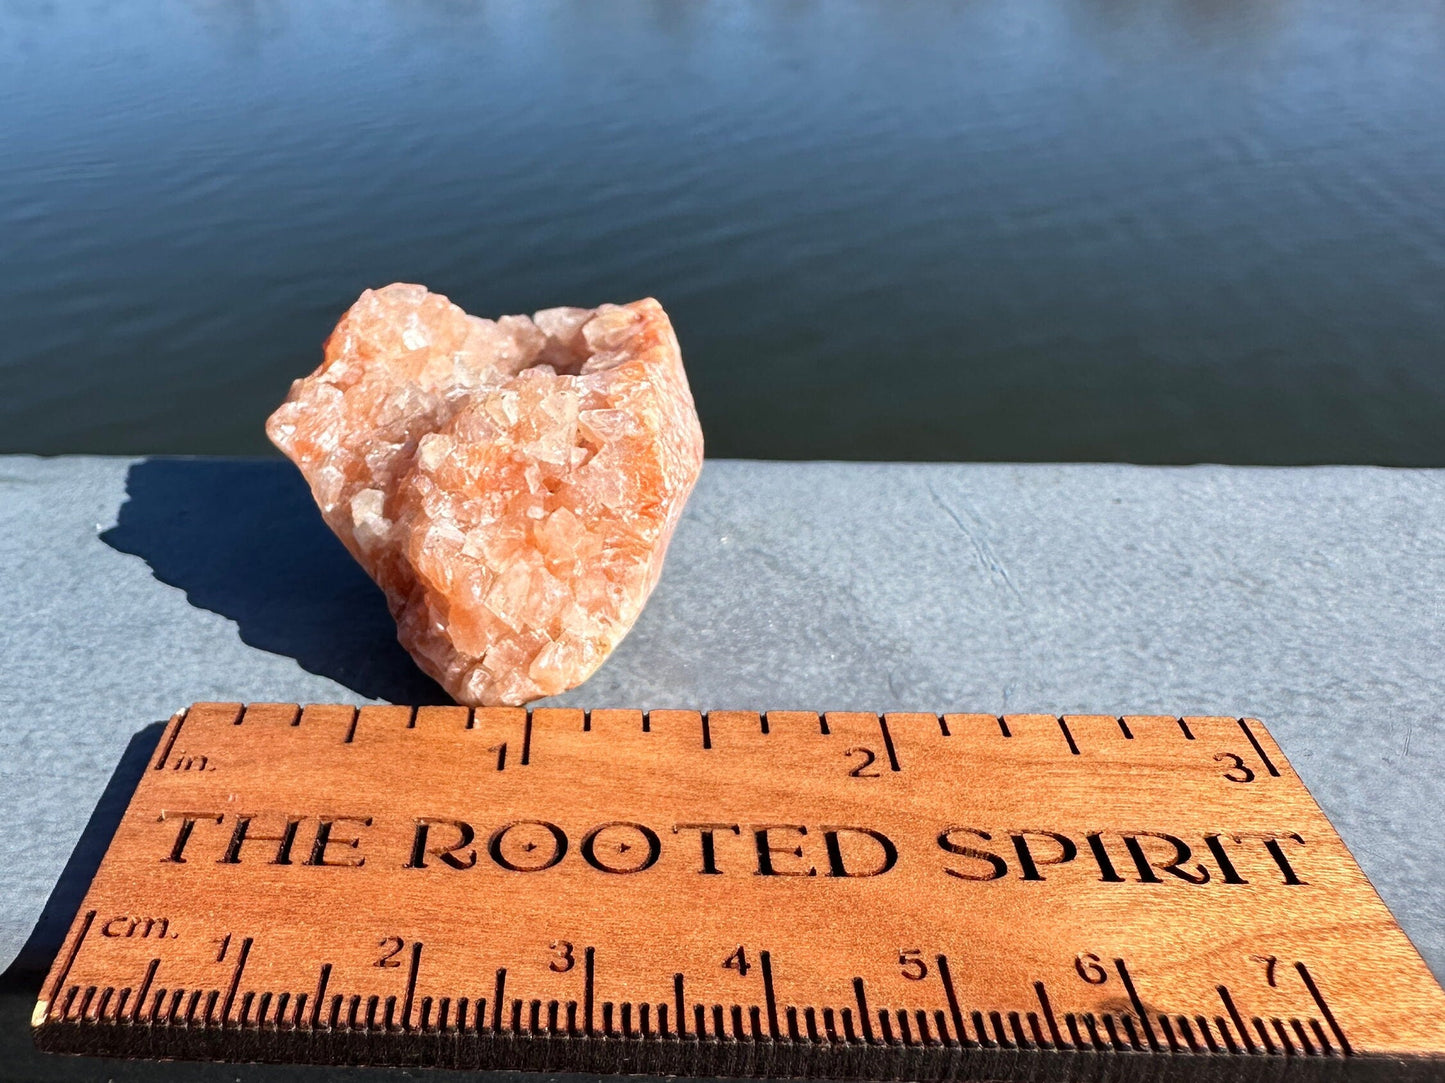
846,895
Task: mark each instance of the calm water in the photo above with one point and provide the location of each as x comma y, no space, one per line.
1155,230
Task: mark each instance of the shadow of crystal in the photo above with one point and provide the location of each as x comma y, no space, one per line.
244,539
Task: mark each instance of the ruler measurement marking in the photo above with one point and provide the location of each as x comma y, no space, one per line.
1305,1043
170,741
864,1021
411,985
1263,1032
589,987
766,959
888,744
1324,1008
946,976
1234,1014
1048,1010
145,986
1068,736
1259,748
235,980
322,979
59,981
498,990
1136,1002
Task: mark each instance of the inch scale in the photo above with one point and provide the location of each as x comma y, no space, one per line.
787,894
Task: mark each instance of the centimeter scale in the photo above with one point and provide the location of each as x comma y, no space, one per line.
785,894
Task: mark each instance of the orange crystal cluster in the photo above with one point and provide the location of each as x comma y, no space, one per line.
512,484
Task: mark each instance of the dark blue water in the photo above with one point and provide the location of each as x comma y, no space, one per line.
1154,230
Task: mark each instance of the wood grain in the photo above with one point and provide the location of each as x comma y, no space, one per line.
844,895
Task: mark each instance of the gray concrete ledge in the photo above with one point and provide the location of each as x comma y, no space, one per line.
1310,598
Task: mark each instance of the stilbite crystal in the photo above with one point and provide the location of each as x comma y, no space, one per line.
512,485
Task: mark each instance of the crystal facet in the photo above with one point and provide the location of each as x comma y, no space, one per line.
512,484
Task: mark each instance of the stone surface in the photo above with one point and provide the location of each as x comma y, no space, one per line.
1310,598
512,485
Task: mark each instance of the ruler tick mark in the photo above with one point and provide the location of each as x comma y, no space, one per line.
1263,1033
768,993
321,981
170,741
1324,1008
1048,1009
1259,748
145,985
1069,737
863,1019
235,979
946,976
1304,1041
70,955
1237,1018
888,744
1136,1002
527,738
678,1000
499,989
588,988
410,985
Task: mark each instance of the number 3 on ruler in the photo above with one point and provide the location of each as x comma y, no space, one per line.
1237,772
564,961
